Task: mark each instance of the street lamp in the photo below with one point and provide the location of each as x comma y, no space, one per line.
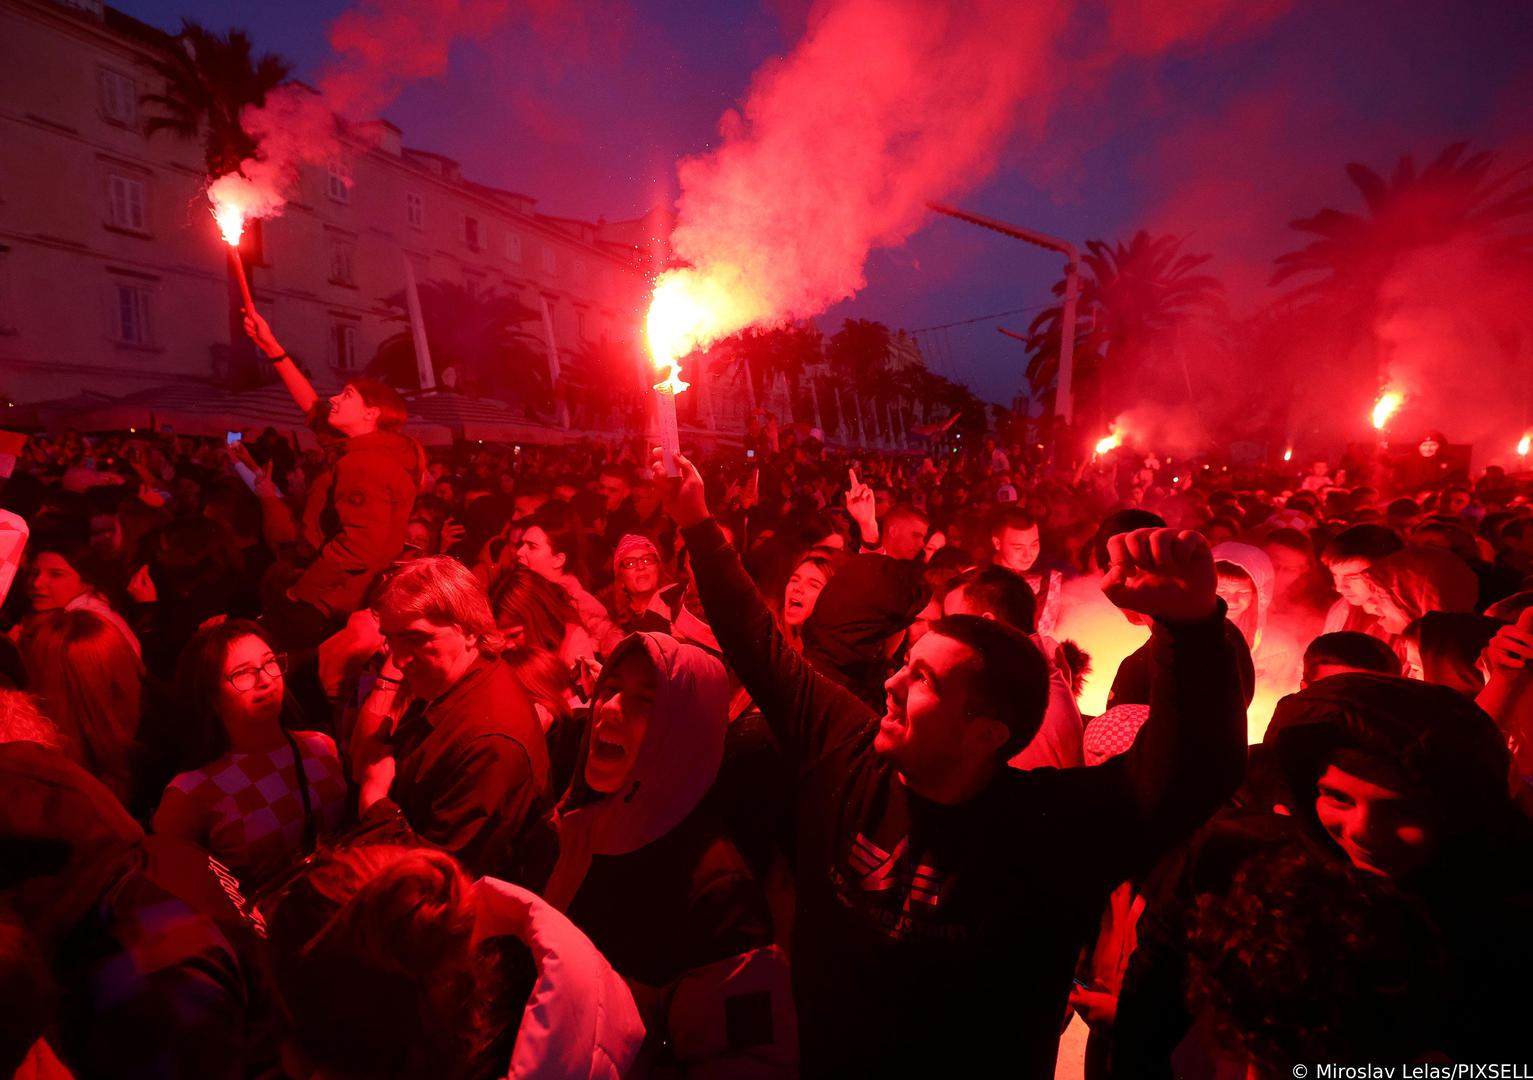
1063,405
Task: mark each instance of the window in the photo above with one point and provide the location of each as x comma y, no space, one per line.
338,183
343,345
550,260
125,202
414,212
513,247
580,271
471,233
341,259
132,314
580,323
117,95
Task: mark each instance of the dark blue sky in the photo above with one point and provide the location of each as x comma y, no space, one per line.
1222,143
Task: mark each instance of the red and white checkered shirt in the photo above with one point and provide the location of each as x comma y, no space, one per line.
251,808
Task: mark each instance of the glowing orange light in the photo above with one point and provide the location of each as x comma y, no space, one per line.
1287,455
1523,445
233,198
1110,443
231,222
1389,402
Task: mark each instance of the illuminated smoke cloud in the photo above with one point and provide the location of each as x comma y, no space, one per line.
883,106
380,46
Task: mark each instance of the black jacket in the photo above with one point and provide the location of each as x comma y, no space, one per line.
943,938
472,767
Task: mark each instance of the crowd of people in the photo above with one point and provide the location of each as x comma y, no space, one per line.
359,761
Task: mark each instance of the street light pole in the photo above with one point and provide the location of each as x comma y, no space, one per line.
1063,404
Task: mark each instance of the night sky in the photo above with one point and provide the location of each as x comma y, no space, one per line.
1223,142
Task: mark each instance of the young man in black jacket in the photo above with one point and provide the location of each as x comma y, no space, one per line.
943,898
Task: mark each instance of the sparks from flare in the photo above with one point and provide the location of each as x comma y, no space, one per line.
1389,402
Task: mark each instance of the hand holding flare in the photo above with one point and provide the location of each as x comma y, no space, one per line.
231,223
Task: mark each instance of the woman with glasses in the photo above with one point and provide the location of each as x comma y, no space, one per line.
636,600
254,793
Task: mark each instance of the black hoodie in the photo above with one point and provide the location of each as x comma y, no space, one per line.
940,940
1478,888
865,603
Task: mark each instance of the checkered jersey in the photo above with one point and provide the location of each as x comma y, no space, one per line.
1113,732
252,809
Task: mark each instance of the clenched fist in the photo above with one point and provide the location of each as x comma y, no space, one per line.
1162,573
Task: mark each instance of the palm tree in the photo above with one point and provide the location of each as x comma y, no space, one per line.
1133,297
860,351
478,333
604,376
210,79
1338,282
1451,198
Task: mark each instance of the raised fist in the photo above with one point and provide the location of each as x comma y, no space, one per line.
1161,573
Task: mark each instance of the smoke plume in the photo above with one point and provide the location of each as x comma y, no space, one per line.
883,106
380,47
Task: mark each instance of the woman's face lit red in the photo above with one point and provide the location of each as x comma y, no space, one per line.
538,555
54,582
640,573
250,661
803,590
1391,619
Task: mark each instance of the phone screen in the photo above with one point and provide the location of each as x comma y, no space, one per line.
750,455
232,437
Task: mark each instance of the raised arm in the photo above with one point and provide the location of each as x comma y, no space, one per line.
807,712
1190,755
259,331
1508,694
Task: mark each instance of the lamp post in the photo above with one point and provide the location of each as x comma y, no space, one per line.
1064,407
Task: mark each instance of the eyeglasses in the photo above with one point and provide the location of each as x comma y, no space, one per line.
244,679
642,560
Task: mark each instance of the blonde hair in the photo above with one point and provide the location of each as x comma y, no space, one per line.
90,684
444,592
22,721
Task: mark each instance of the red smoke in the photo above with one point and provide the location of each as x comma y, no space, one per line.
380,47
883,106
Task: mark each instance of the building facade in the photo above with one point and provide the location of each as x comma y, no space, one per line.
113,277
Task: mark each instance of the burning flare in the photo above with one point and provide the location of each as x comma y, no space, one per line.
1288,455
1524,444
236,199
1110,443
690,309
231,222
1389,402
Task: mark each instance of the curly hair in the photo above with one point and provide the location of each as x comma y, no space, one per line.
376,973
1304,958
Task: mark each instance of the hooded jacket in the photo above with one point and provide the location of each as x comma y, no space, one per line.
1258,567
152,984
580,1021
868,600
1477,887
355,518
649,874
